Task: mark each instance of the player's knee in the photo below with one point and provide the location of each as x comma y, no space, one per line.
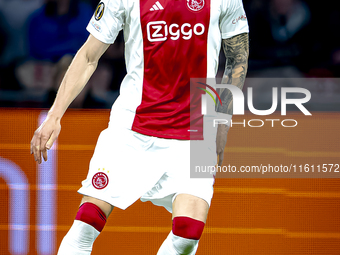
92,215
187,227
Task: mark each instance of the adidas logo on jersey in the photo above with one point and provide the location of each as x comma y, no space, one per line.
156,7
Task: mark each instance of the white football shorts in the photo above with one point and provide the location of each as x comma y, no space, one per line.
127,165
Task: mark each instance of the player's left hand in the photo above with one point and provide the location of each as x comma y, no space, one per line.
221,141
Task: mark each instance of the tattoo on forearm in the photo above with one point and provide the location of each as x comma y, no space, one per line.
236,51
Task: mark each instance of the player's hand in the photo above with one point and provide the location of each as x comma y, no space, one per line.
221,141
44,138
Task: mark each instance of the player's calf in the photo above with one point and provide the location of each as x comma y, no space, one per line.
184,237
88,224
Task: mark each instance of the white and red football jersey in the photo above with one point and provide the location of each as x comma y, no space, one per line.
167,42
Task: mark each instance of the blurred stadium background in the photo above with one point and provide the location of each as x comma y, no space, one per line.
289,39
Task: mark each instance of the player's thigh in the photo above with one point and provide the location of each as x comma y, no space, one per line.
104,206
190,206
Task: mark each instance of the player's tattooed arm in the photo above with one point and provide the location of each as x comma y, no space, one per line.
236,51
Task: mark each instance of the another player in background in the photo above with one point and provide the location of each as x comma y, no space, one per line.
145,151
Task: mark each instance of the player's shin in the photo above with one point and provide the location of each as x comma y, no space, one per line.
88,224
184,237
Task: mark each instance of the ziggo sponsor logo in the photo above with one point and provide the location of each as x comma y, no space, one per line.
159,31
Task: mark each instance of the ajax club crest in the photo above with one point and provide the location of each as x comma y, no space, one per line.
195,5
100,180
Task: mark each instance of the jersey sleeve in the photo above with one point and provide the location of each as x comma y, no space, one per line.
107,20
233,19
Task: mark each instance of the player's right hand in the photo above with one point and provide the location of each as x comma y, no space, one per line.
44,138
